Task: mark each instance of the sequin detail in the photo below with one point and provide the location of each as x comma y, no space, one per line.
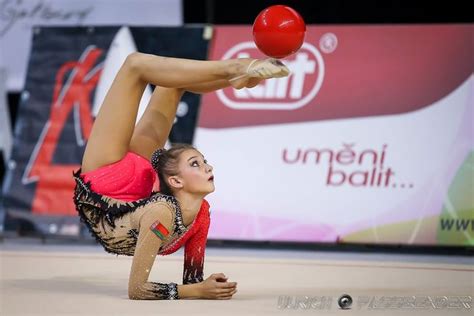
100,214
155,290
104,215
155,157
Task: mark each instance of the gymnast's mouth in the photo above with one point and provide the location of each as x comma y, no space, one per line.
211,178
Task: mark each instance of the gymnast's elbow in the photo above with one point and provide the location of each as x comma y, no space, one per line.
135,292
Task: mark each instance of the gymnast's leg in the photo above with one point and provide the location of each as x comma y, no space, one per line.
113,128
155,125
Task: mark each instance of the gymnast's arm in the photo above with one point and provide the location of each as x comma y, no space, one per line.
216,286
139,288
194,251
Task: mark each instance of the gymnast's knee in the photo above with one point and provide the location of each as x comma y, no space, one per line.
134,63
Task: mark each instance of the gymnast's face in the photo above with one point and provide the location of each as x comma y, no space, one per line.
195,174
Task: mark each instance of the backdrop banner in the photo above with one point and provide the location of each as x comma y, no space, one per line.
5,136
69,73
18,19
5,125
370,140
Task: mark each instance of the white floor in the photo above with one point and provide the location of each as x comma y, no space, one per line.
83,280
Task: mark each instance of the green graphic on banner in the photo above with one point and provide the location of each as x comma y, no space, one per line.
456,222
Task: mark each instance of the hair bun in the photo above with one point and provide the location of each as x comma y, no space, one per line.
155,157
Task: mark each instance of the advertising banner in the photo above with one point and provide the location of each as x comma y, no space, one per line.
19,17
370,139
69,72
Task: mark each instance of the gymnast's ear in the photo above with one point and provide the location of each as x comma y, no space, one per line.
175,182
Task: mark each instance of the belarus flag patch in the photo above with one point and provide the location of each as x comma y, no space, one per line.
159,230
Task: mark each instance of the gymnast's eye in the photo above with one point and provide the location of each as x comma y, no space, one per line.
195,163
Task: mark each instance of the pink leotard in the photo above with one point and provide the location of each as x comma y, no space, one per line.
132,179
129,179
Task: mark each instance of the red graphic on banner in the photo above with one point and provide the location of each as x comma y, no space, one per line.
55,184
344,72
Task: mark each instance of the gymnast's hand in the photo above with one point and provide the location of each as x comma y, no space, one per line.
258,70
217,287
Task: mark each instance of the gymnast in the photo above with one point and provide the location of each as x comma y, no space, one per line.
124,163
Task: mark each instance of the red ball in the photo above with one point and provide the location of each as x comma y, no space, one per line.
278,31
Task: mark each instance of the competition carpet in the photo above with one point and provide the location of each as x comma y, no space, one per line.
84,280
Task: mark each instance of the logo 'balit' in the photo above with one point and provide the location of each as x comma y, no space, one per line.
288,93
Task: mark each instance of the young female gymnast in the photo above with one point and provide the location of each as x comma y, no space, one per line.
113,193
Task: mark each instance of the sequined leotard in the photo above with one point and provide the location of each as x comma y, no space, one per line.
119,217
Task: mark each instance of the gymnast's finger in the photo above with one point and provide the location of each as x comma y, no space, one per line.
227,295
227,285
